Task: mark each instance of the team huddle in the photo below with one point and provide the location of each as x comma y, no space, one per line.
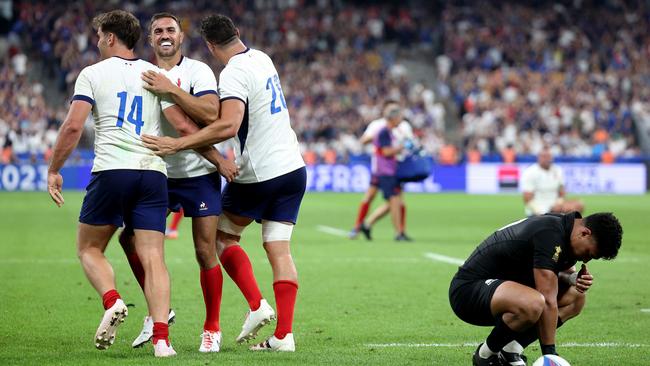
133,104
156,127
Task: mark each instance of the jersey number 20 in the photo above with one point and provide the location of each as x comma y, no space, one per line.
273,83
135,116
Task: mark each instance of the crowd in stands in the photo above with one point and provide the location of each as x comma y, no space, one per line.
517,76
565,75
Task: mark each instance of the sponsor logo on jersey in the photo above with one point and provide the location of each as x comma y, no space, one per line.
556,256
489,282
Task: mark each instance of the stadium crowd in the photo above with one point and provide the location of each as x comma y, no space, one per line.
520,76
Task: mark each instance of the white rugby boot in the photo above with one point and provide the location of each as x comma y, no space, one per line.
147,329
162,349
255,320
210,342
113,317
285,344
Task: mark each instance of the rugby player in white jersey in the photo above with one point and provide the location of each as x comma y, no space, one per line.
272,176
403,134
193,183
543,188
129,183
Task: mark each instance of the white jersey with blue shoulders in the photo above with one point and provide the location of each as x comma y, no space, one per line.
122,112
197,79
266,146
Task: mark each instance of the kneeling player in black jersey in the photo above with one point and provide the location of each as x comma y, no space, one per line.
523,281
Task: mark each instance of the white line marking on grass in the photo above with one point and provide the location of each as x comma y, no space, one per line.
332,230
645,310
471,344
444,258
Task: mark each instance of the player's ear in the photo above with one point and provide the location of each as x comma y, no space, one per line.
182,37
150,40
585,231
237,32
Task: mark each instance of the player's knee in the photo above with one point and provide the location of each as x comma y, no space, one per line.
533,308
205,257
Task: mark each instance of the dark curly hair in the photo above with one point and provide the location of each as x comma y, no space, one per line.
218,29
607,231
124,25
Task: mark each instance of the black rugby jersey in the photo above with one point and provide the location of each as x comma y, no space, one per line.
513,251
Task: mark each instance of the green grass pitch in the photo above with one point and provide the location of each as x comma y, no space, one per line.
359,302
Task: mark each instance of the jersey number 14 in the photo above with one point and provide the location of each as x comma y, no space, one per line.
135,116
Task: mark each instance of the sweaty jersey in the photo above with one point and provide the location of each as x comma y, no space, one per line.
512,252
122,112
544,184
197,79
265,146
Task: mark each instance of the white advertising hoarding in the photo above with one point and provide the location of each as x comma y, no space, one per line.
580,178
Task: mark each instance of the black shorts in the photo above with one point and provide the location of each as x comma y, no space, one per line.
470,300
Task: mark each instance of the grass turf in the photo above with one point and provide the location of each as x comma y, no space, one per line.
359,302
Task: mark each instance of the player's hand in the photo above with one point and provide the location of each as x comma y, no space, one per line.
584,279
161,145
228,169
157,82
54,186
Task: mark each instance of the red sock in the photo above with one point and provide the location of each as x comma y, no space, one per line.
160,331
176,219
211,283
109,298
285,301
363,211
402,218
236,263
136,267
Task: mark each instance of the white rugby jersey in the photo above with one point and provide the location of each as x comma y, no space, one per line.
401,133
196,78
122,112
265,146
544,184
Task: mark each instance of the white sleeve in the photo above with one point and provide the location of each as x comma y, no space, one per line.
528,180
407,130
83,87
203,81
232,84
560,175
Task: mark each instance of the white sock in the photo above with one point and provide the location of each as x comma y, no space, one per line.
514,347
485,351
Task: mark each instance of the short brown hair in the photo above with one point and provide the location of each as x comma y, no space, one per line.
124,25
164,15
218,29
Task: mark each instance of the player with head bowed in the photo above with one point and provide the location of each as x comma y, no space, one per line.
194,184
272,179
543,188
523,282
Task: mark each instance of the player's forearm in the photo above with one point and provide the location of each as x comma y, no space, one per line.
210,154
569,276
216,132
200,111
66,142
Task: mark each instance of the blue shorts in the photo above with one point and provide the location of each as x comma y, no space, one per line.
389,185
135,198
198,196
277,199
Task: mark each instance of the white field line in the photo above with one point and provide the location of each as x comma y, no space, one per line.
645,310
117,262
472,344
332,230
444,258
